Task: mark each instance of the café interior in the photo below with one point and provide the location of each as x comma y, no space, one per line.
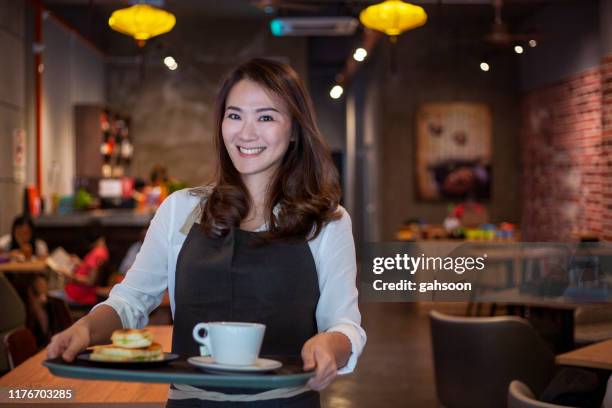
473,122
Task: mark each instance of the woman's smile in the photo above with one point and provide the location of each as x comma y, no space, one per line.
250,151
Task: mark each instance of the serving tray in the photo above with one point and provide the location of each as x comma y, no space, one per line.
181,372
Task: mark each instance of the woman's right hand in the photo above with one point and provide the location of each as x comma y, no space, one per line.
70,342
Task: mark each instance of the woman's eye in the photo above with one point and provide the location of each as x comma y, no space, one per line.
233,116
266,118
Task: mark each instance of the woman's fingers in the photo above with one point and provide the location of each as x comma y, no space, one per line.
74,347
326,370
54,348
69,343
308,357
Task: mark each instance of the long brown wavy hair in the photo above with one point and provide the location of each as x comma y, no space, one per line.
305,187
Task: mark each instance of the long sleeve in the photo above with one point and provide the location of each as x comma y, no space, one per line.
41,248
338,309
145,282
5,243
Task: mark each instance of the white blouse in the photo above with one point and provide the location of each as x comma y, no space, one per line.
154,270
40,246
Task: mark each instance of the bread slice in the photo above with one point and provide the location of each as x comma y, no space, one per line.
132,338
110,352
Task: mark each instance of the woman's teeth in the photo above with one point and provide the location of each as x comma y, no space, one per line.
254,150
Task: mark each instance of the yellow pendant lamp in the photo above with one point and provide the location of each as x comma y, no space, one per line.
142,22
393,17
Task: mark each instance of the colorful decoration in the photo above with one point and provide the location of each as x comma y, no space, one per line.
393,17
142,22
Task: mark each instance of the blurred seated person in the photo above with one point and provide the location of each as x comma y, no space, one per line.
138,194
33,289
81,287
45,315
157,190
22,243
159,175
37,315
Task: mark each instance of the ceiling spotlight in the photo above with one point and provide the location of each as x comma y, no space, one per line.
360,54
518,49
172,67
533,43
336,92
484,66
169,61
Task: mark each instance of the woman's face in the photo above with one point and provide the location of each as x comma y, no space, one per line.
23,233
256,130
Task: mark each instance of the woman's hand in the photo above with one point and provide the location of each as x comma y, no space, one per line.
27,250
76,261
17,255
323,353
70,342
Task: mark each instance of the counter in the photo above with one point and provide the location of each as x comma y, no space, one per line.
122,218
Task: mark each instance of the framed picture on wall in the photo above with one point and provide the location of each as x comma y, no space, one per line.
453,151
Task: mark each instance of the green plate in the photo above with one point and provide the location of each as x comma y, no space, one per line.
181,372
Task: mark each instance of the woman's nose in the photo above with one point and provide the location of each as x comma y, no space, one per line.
248,132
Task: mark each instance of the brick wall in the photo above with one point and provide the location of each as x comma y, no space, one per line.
564,162
606,113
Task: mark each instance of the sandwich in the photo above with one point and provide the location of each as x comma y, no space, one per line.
129,345
132,338
110,352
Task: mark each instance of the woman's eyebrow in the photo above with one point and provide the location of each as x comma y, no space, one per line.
267,109
258,110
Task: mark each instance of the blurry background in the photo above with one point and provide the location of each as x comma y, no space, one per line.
95,131
551,91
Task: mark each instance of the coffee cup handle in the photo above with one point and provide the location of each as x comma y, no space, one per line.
205,347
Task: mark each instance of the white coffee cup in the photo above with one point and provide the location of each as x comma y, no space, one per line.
231,343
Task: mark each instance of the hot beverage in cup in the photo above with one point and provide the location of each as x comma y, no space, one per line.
231,343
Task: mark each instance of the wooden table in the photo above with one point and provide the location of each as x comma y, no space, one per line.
598,355
23,267
32,375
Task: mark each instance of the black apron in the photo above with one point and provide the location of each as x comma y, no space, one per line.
239,278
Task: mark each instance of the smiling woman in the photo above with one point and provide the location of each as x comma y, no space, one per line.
267,242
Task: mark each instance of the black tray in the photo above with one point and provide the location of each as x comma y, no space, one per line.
181,372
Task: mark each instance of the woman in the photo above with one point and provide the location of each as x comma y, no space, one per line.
266,243
81,288
81,285
22,242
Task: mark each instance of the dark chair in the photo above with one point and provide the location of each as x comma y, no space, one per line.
476,358
13,315
520,396
13,310
60,317
20,345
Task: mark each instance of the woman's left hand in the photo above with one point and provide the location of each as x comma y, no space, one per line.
319,353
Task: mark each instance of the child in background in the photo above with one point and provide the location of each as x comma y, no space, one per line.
82,286
45,314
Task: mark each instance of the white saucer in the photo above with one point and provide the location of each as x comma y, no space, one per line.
261,365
